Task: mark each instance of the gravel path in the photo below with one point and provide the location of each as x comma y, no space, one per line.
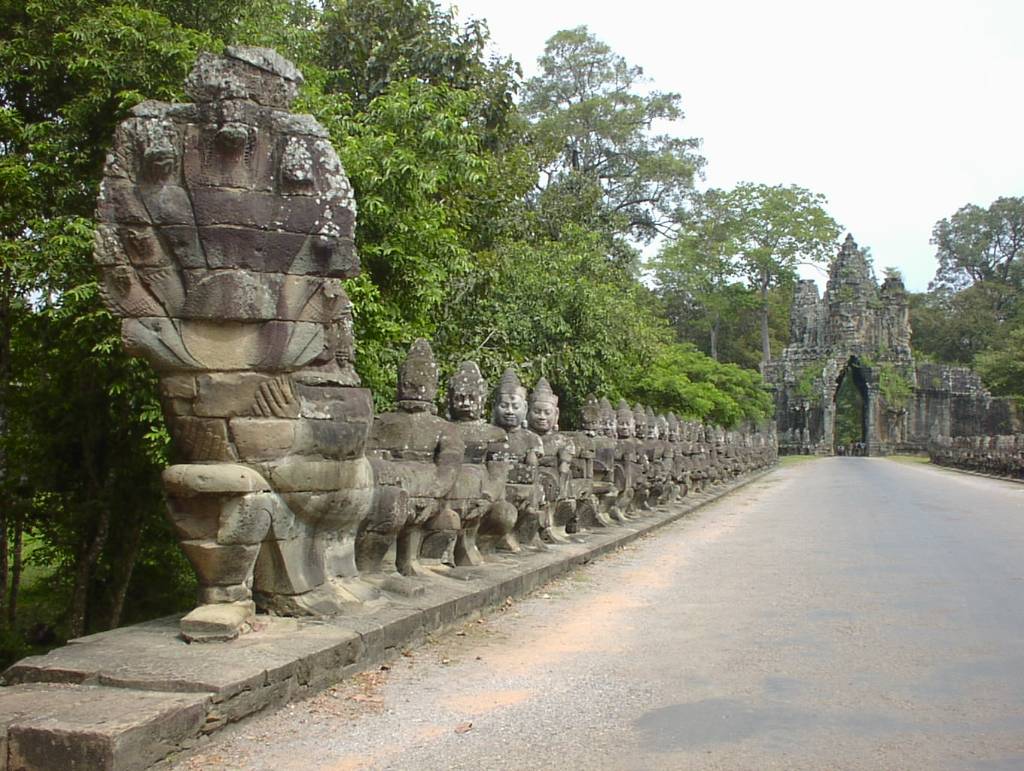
838,613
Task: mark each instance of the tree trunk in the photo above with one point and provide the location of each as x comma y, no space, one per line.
6,290
766,347
12,602
133,542
88,555
3,555
714,337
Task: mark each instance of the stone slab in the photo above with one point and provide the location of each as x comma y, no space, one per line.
281,660
91,727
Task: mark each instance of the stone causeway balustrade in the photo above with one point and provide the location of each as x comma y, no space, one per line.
324,537
1000,456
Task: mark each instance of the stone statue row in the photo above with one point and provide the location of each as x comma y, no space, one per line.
1001,455
225,226
418,496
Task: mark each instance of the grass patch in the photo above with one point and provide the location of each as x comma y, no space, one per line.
918,459
792,460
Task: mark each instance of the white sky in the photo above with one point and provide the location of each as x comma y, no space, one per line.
898,111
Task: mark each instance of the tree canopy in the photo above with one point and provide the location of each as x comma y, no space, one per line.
601,163
735,248
973,313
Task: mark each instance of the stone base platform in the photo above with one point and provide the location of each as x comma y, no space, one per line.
128,697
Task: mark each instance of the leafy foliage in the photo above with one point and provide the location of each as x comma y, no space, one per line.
602,165
849,425
757,233
976,245
894,387
972,314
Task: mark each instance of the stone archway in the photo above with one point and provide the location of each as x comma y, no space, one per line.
851,410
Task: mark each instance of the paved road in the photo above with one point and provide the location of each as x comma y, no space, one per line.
838,613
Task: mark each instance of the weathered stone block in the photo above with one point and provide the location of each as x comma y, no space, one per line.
263,438
187,480
183,244
221,564
307,298
331,257
270,79
336,439
262,211
219,622
230,296
270,346
196,518
227,394
247,520
93,727
178,387
167,204
203,439
250,248
311,476
122,290
119,202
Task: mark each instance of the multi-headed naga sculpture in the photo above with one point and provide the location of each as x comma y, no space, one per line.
225,228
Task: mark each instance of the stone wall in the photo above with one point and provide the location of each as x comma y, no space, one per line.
996,455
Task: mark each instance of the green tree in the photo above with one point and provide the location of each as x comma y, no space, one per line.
776,228
70,71
954,327
370,44
684,380
696,272
602,165
977,244
1002,366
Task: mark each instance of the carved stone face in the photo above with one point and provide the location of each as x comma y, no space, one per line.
467,392
510,411
590,417
465,403
543,417
608,426
625,428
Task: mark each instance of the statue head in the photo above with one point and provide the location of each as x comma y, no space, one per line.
417,379
639,421
652,423
608,427
673,433
543,412
661,427
625,422
467,391
510,402
590,416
